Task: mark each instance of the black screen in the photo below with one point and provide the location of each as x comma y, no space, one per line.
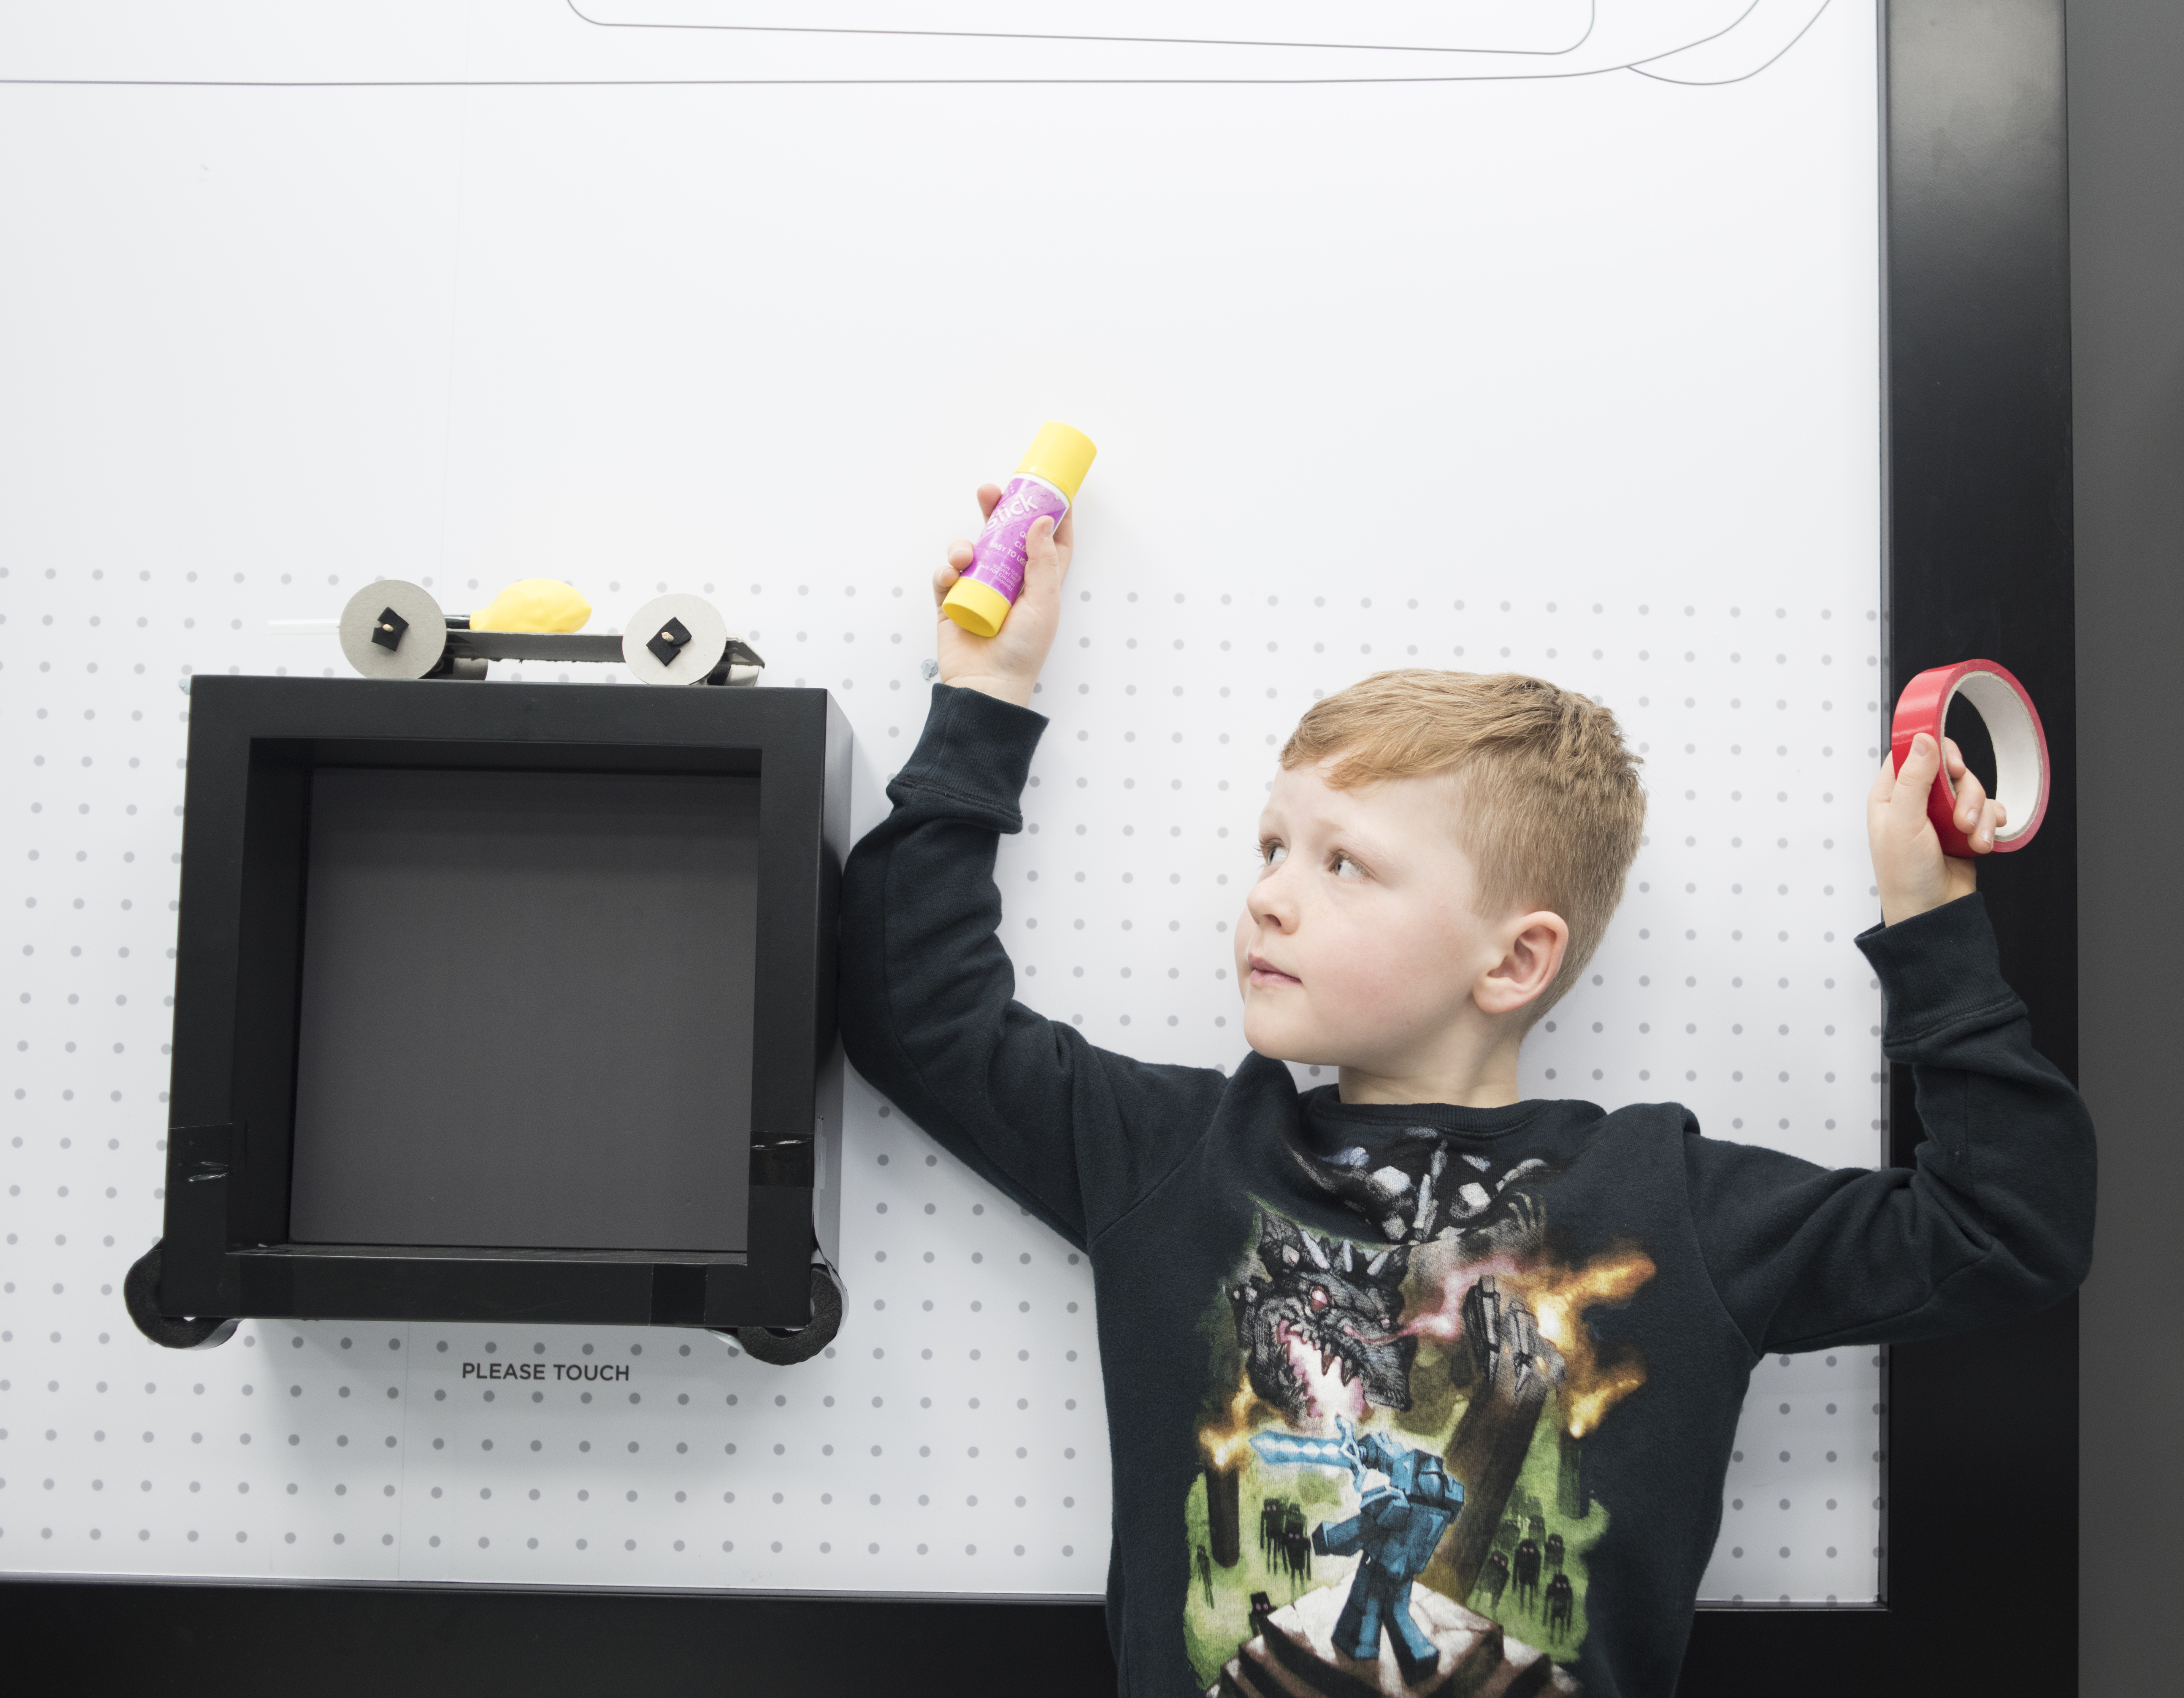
525,1012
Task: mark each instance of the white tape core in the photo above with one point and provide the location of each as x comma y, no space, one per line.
2016,742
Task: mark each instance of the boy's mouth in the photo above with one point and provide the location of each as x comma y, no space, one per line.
1266,975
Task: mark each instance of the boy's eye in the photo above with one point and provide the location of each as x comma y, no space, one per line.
1346,868
1275,854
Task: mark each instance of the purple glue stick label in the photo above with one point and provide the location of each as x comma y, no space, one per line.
998,557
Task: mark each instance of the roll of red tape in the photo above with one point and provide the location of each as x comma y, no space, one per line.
2013,724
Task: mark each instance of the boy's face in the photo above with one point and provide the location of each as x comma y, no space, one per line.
1359,947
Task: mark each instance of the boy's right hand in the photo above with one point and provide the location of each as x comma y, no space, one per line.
1007,664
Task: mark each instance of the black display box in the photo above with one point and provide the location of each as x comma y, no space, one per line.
501,1000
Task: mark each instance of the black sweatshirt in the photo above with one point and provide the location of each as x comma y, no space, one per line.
1565,1303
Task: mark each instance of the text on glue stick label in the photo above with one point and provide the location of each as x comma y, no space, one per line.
997,558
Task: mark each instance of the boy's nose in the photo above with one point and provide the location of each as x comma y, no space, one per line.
1267,903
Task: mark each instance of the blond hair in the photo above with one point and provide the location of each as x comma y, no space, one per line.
1551,804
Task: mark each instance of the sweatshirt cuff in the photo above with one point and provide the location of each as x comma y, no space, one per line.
976,753
1939,971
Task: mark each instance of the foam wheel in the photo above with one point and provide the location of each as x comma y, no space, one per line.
140,1295
691,634
393,630
785,1348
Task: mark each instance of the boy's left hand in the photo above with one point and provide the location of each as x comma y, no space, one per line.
1006,666
1908,866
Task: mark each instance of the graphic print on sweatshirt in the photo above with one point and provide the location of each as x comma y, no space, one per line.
1393,1435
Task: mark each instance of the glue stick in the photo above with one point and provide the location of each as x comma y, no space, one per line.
1045,484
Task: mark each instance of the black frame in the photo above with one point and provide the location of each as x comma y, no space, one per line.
1981,1435
255,742
1980,1542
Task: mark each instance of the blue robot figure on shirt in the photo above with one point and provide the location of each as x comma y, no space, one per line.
1396,1528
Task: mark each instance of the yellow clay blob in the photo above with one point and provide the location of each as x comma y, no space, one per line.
534,604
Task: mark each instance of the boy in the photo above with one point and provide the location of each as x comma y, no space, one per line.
1473,1342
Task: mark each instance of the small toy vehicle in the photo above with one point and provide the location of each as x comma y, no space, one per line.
396,630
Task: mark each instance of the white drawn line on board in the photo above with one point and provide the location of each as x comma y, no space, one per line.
1592,23
1724,82
950,81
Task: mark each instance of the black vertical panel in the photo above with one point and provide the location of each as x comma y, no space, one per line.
1982,1430
2127,270
1981,1445
1979,429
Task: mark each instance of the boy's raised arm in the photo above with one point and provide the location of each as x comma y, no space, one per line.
1996,1218
1075,1134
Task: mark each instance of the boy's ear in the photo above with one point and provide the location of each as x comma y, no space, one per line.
1532,947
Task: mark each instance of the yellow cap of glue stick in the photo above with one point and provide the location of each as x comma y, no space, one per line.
1060,455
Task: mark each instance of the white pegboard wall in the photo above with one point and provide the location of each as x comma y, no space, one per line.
951,1440
1119,897
1521,376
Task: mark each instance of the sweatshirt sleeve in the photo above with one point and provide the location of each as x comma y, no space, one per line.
1996,1218
1076,1134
